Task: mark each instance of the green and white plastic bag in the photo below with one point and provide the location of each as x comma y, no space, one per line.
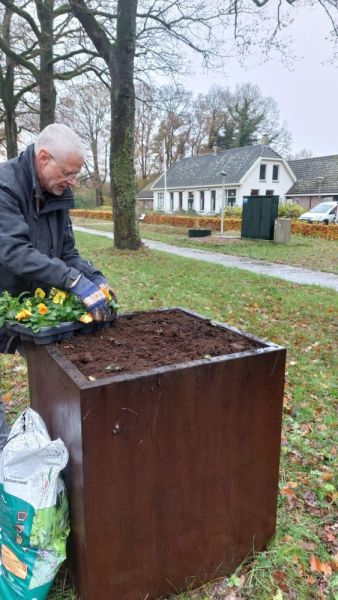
34,523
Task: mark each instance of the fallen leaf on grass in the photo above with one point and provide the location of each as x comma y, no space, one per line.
287,538
305,428
330,533
308,545
310,499
317,566
327,475
279,577
288,489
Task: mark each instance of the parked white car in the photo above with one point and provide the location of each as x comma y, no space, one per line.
325,212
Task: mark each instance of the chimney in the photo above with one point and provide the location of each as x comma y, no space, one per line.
264,140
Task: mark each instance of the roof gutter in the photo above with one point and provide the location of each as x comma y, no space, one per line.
197,187
314,194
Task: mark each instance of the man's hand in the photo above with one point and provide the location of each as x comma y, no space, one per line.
103,284
92,297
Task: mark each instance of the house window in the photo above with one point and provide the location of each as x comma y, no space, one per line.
262,172
191,201
213,200
202,200
180,200
231,197
161,201
254,193
171,200
275,172
269,193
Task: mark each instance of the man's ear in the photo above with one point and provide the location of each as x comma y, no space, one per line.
43,157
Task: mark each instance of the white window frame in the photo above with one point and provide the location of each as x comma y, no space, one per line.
275,167
180,200
160,200
231,196
202,201
260,166
213,201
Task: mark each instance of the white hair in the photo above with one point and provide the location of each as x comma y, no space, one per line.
60,141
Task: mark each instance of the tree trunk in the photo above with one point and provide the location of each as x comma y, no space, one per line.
122,171
119,58
99,196
97,176
8,94
47,88
11,133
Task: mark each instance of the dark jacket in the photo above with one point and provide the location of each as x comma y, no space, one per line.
36,236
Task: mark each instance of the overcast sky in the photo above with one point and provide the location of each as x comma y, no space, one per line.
307,95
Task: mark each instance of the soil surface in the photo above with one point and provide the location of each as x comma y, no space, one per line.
145,340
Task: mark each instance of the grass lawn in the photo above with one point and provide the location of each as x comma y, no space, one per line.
301,562
311,253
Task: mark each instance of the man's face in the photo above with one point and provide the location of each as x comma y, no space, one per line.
56,174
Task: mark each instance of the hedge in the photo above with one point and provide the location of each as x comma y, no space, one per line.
328,232
105,215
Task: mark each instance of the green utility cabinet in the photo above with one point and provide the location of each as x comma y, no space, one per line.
258,217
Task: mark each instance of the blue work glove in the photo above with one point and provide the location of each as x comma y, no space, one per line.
103,284
92,297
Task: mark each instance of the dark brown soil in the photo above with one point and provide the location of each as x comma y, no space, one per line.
142,341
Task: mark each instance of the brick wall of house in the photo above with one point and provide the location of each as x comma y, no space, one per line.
312,201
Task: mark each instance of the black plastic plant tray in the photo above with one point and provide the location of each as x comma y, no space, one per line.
49,335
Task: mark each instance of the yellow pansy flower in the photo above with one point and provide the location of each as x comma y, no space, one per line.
39,293
59,297
42,309
23,314
86,318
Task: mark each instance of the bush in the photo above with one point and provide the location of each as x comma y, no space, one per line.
233,211
290,211
82,202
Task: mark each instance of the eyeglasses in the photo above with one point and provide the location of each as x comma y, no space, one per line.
66,174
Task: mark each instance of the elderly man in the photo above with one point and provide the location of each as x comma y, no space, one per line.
36,237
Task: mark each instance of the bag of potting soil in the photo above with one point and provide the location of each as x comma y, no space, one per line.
33,510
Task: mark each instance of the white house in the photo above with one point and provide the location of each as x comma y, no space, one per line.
201,182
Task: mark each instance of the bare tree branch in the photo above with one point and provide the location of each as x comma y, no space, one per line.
94,30
24,14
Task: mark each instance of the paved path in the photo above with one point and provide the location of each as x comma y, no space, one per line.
289,273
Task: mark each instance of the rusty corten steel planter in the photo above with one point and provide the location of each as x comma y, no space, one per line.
173,472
